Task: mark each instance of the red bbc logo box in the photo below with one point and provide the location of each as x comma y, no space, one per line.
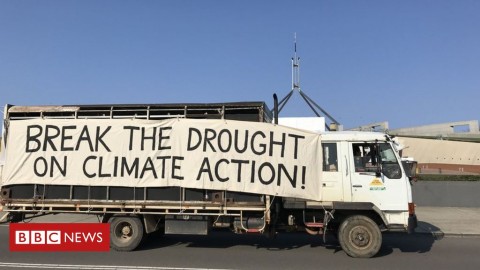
59,237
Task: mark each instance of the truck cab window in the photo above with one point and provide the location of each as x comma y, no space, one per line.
362,156
330,161
366,156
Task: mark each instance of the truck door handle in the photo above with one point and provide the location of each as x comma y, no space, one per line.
358,186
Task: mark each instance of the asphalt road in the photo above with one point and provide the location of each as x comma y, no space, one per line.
225,250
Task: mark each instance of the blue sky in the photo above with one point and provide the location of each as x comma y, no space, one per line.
406,62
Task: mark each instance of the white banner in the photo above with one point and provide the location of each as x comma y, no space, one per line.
204,154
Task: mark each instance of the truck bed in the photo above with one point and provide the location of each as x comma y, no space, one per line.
155,200
244,111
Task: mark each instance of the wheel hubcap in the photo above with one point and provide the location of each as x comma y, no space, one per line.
124,231
360,237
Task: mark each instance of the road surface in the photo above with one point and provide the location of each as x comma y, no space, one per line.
225,250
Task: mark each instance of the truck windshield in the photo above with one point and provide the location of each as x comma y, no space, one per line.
390,166
367,154
386,153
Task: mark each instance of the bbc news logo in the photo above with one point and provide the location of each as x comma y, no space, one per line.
59,237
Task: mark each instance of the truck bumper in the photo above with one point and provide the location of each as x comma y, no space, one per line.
412,223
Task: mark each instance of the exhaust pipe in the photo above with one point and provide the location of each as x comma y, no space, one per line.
275,109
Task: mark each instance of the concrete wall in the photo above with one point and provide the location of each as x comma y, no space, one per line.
439,129
447,193
437,151
453,156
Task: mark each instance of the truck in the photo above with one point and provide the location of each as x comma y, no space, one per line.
194,168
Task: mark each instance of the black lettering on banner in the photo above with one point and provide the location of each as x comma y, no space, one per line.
190,135
237,141
252,176
162,137
205,168
228,140
40,172
217,166
99,139
176,167
163,158
262,146
304,174
148,166
130,142
115,166
210,134
293,180
130,170
100,169
260,173
55,162
296,138
280,143
89,175
239,163
41,166
66,138
146,137
33,138
48,140
84,136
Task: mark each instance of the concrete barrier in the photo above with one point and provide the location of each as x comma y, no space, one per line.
447,193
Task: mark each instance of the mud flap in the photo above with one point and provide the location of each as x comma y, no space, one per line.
412,223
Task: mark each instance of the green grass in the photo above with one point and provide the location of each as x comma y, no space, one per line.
447,177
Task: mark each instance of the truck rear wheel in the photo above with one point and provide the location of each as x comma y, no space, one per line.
360,237
126,233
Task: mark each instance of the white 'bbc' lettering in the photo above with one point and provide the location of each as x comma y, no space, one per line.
37,237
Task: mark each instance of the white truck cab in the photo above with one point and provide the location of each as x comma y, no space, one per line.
365,190
364,167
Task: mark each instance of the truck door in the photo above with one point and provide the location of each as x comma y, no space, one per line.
376,175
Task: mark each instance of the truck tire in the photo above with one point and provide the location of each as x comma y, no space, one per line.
126,233
360,237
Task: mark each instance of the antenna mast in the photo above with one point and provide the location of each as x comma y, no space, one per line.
295,67
296,86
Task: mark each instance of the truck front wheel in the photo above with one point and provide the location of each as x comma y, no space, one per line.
360,237
126,233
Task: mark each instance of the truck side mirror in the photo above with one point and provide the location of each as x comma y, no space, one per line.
410,168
